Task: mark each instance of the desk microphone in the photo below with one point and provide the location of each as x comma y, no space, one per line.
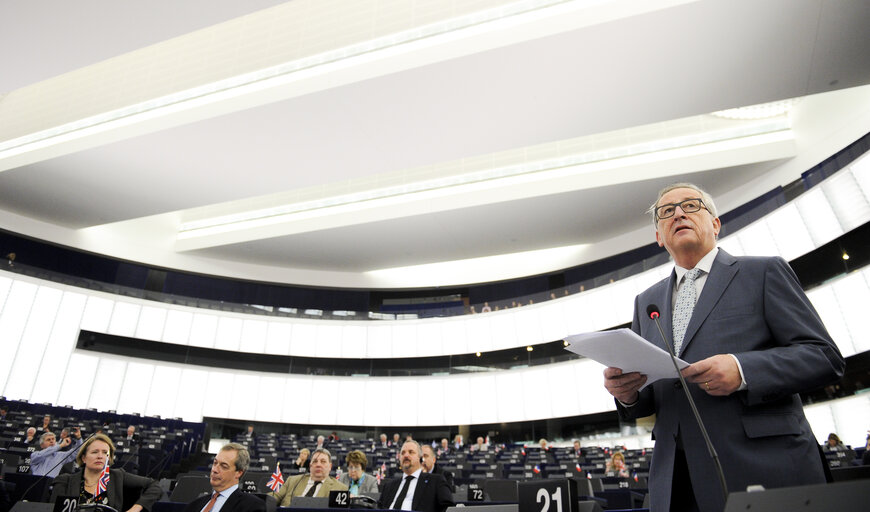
653,311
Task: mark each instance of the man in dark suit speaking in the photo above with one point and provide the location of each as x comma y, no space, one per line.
416,490
228,467
753,341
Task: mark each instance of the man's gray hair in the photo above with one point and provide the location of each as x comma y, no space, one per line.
419,449
705,197
243,458
323,451
45,435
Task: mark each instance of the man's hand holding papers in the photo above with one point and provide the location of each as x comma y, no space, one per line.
632,362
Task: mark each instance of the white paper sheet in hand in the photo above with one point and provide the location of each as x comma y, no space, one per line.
622,348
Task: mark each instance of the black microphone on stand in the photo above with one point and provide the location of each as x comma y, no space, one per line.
653,311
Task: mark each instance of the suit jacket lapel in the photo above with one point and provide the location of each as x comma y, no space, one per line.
721,274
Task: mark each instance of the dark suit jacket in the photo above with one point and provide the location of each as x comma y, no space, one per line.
754,308
448,476
124,490
431,495
237,502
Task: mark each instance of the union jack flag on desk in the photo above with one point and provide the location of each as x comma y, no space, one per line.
103,481
277,479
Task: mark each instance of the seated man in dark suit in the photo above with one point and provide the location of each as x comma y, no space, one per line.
416,490
430,465
228,467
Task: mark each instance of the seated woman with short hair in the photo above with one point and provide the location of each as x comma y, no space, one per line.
356,479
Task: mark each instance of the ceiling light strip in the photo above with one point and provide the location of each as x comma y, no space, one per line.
23,144
204,226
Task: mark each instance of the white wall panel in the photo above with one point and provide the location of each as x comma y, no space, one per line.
404,339
152,320
578,317
380,341
821,420
458,399
484,404
510,396
589,387
826,304
563,387
98,312
328,342
846,199
253,336
203,330
164,391
819,217
853,296
851,417
323,404
61,343
192,389
504,332
350,401
303,340
860,169
732,245
377,413
269,398
432,401
229,333
757,239
5,286
107,391
552,321
479,332
12,322
529,325
453,336
278,338
537,395
789,232
297,400
242,396
134,391
217,400
34,340
403,401
429,341
177,328
353,341
78,381
125,317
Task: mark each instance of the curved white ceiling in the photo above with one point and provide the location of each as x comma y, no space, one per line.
473,113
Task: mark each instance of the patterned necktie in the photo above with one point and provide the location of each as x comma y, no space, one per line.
404,492
683,307
210,504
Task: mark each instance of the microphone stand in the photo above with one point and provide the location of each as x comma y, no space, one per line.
653,312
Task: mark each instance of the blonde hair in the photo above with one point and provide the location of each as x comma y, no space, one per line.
96,437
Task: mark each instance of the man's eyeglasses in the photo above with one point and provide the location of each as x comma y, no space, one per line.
667,211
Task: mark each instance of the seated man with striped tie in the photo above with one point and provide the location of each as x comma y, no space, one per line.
228,467
416,490
317,483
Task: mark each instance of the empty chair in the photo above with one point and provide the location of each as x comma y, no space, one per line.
189,488
500,490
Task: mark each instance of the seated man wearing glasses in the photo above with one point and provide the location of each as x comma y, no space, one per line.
753,341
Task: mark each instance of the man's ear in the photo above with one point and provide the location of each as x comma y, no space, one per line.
717,226
659,239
